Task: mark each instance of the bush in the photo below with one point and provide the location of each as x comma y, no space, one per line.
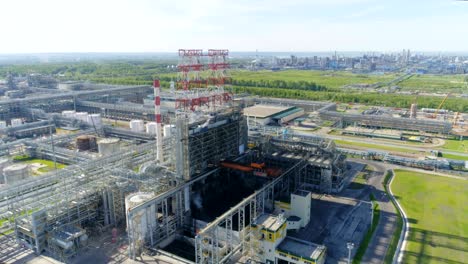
21,157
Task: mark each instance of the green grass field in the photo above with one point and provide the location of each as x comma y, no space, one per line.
373,146
434,83
438,217
330,79
49,165
337,79
456,145
454,157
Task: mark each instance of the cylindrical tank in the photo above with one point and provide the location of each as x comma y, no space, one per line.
15,173
16,122
62,243
95,119
142,218
3,124
151,128
83,142
92,143
3,163
168,130
137,126
135,199
83,116
69,113
108,146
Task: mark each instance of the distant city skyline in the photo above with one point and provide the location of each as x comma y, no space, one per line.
51,26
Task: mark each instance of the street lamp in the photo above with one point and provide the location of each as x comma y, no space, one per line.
350,247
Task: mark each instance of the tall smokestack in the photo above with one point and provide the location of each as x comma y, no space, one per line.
157,117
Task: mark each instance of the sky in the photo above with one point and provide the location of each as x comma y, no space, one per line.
44,26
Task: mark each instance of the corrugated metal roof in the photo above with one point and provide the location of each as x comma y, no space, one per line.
286,113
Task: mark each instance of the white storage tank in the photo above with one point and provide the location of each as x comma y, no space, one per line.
15,173
69,113
95,119
143,218
3,124
168,130
83,116
108,146
137,126
16,122
151,128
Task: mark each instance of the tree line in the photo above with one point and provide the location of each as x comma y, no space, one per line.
297,85
143,73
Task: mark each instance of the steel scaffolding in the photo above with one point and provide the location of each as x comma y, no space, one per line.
387,122
72,195
218,241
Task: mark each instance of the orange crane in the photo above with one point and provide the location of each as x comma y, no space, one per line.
440,106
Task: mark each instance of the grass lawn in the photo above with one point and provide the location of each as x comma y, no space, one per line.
434,83
454,157
49,165
330,79
438,217
456,145
389,140
373,146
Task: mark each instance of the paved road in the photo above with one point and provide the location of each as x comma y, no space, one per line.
381,239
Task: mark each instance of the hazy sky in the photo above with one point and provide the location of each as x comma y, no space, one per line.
239,25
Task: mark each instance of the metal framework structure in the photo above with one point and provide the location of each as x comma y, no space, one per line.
119,111
388,122
325,170
224,138
14,108
219,240
47,204
201,86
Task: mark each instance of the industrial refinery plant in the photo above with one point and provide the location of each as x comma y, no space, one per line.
186,172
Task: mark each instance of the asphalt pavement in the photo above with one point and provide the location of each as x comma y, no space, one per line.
380,242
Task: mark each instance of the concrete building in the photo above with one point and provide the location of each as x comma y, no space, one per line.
294,251
300,206
270,240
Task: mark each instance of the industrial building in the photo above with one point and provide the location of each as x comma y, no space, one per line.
116,177
270,114
177,173
149,178
375,121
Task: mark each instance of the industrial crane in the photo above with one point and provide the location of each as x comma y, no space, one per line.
440,106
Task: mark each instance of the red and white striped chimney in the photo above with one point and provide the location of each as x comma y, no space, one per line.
157,117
